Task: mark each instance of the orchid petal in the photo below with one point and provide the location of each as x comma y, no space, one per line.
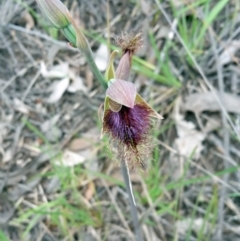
122,92
124,67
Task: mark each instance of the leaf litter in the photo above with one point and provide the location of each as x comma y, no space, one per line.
69,81
228,54
189,139
101,57
199,102
29,179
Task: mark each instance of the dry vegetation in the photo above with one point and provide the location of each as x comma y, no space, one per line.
59,181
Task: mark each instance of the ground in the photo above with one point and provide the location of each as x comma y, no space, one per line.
60,181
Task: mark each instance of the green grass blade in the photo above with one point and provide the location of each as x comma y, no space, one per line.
211,17
3,237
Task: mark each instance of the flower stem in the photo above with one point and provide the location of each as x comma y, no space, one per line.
96,71
84,47
133,208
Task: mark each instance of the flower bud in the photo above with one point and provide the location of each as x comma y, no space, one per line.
55,11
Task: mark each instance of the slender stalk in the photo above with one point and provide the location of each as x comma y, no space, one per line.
133,208
96,71
84,47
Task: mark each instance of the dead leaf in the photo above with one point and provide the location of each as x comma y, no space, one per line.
89,78
212,124
48,124
77,85
88,140
51,131
70,159
91,162
54,134
7,155
29,20
20,106
227,55
145,6
58,88
182,226
90,190
163,32
57,71
80,144
101,57
189,139
199,102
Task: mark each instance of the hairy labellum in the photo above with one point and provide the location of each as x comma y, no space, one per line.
129,125
127,118
129,130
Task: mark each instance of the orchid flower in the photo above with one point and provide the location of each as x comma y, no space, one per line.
127,118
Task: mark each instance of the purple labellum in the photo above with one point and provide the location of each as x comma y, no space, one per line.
129,125
129,130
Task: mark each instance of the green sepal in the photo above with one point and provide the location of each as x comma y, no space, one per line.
139,100
105,108
70,34
110,72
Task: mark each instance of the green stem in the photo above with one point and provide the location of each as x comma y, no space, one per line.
83,45
133,208
95,70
